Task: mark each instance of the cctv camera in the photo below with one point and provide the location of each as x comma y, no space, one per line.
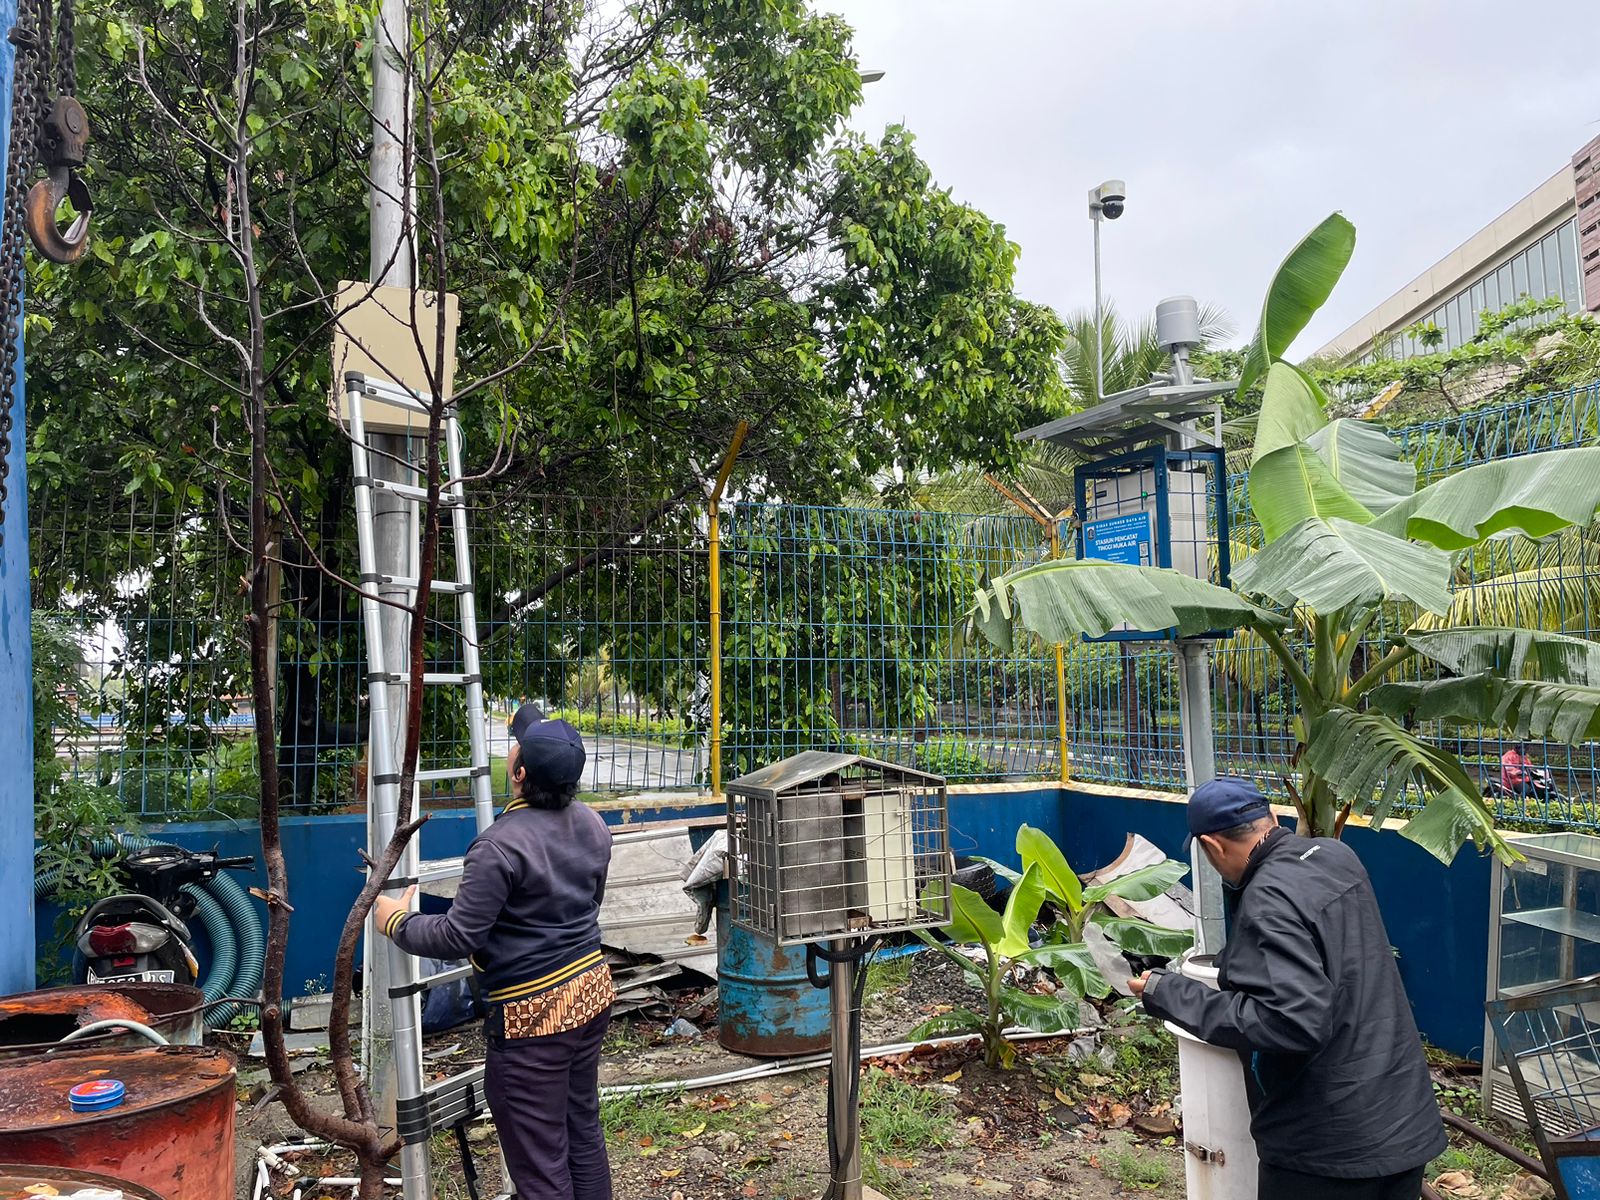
1110,198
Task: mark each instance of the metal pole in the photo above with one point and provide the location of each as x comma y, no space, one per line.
1061,678
391,233
843,1072
1099,323
1200,765
714,583
16,633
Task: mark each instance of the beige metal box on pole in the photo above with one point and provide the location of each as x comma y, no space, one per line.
391,333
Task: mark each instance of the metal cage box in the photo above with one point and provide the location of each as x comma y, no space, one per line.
826,846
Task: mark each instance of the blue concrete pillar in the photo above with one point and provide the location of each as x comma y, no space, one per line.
16,660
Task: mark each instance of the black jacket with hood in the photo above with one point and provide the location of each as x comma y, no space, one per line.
1312,1002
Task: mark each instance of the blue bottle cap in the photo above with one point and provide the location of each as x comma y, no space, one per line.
97,1094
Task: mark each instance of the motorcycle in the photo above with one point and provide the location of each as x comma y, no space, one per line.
1541,786
143,935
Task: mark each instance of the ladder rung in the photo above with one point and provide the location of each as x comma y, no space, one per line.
441,773
448,494
442,1105
429,981
389,393
439,587
433,870
430,678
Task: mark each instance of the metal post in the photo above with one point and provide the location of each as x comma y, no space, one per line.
16,633
714,584
1099,323
392,203
1061,678
844,1070
1200,765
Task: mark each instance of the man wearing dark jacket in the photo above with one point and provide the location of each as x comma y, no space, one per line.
1341,1104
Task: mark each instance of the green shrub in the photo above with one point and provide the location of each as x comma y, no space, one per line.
957,760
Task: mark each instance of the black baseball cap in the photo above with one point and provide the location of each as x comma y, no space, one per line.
551,751
1225,803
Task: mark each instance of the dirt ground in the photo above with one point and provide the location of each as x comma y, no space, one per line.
1092,1116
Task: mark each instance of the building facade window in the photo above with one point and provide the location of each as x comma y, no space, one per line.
1548,268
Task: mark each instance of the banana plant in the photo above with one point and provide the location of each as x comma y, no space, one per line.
1006,940
1354,549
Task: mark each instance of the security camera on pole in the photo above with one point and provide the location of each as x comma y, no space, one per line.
1106,202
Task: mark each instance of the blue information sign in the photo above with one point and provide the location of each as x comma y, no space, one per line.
1124,539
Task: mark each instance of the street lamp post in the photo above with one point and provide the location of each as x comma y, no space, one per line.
1106,202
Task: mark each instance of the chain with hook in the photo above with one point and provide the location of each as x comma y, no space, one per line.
30,207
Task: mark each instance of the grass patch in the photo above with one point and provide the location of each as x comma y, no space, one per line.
646,1119
899,1120
1146,1057
1135,1171
626,1037
888,977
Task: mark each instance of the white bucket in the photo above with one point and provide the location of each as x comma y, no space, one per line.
1219,1154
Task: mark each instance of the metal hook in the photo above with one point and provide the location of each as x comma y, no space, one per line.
44,199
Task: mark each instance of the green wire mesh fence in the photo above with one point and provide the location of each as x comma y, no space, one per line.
840,630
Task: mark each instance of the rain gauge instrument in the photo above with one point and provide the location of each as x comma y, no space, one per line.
834,852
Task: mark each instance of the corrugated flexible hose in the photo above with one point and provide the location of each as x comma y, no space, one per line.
238,940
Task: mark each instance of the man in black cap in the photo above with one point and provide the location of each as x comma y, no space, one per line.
1341,1103
527,916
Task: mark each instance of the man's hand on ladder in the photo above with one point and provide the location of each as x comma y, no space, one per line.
385,907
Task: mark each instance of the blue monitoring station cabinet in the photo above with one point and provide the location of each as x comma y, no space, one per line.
1150,484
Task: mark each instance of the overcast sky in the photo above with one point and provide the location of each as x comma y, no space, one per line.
1238,125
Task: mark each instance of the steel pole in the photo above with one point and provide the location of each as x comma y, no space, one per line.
392,249
16,634
1099,322
844,1071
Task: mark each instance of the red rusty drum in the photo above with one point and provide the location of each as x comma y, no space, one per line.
33,1022
172,1132
16,1181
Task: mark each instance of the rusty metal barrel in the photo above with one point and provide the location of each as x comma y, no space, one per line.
172,1132
33,1022
767,1005
16,1180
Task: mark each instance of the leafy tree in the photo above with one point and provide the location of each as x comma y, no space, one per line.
1355,548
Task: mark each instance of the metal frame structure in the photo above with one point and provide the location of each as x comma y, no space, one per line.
1550,1042
420,1109
823,846
1567,921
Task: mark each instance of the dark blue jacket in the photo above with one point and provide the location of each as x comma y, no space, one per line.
527,914
1312,1001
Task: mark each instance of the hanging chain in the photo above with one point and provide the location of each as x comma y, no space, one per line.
27,105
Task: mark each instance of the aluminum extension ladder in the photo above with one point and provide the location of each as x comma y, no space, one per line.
422,1109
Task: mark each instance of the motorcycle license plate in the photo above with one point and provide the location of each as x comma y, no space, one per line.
136,977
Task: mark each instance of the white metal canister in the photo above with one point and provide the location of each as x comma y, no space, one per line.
1219,1154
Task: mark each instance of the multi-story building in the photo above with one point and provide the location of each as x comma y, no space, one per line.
1545,245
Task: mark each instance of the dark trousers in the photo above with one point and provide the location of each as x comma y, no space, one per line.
544,1093
1277,1183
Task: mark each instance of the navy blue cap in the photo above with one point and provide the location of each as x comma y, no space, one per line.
551,751
525,715
1225,803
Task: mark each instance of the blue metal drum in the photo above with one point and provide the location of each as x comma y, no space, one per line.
769,1007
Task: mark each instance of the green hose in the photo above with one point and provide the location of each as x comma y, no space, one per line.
238,941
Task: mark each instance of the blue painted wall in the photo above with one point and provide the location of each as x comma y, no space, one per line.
16,657
1437,916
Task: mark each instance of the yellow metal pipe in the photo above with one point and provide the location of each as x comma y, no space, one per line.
714,548
1061,678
